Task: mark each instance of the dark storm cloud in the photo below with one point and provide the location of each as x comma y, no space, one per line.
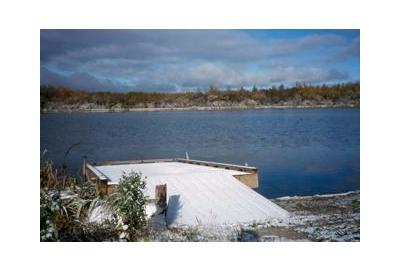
87,45
161,60
80,81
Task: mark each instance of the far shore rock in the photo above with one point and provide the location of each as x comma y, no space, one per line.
89,108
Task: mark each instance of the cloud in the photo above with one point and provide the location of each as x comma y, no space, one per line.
351,50
85,81
152,86
161,60
308,75
307,43
79,81
146,45
203,75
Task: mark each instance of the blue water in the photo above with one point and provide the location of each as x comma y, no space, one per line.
297,151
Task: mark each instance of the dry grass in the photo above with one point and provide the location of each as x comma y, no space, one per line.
53,178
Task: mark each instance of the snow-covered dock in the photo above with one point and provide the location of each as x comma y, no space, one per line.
198,192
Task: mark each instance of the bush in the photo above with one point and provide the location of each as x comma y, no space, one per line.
130,202
49,210
87,190
64,207
91,232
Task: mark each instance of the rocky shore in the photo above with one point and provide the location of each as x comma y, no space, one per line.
61,99
92,109
333,217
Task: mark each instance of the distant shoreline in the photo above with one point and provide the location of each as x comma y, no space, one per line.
194,108
315,196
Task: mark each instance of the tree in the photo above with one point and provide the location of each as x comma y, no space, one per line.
212,89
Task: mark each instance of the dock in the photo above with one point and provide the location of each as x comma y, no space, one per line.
198,192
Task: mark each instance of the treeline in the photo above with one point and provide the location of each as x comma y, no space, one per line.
62,98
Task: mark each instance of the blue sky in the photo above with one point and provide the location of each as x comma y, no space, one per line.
180,60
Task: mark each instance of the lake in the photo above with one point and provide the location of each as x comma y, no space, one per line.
297,151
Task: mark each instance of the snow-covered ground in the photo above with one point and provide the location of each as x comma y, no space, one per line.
334,217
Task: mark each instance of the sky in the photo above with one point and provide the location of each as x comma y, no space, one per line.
187,60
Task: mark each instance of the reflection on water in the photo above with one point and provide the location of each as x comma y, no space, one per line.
297,151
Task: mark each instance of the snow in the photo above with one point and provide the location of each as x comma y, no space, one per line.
99,211
113,172
200,195
151,209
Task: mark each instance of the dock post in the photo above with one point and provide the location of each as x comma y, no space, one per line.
84,168
161,195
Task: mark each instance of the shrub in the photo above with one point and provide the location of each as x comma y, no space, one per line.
129,202
87,190
49,210
64,207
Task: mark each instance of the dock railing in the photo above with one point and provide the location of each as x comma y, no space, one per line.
227,166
